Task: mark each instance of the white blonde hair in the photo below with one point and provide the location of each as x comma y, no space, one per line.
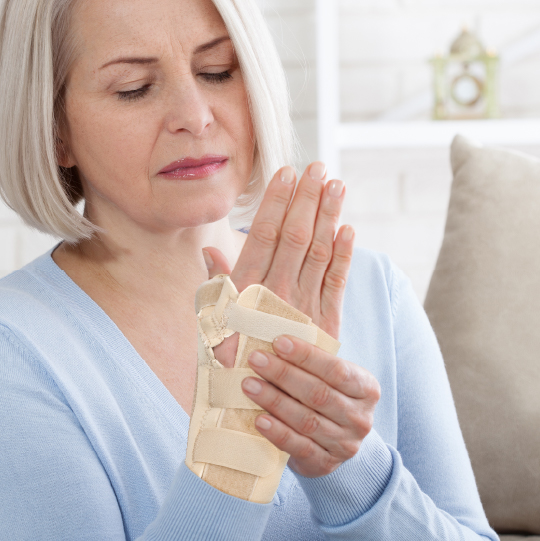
36,54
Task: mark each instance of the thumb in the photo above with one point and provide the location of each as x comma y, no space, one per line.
216,262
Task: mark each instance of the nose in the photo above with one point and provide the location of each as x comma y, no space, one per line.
189,108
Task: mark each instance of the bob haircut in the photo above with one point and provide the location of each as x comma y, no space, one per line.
36,54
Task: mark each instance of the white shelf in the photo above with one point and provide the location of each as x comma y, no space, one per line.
335,136
519,132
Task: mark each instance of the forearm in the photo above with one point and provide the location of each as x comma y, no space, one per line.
374,497
193,510
53,484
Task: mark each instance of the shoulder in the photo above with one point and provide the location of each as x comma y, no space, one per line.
19,306
18,296
22,293
32,307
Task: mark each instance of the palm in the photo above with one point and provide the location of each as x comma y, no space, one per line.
292,249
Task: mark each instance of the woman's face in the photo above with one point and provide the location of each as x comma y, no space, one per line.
156,82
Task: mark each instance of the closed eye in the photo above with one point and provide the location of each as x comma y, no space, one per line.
217,77
132,95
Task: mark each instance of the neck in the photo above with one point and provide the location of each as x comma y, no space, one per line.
154,267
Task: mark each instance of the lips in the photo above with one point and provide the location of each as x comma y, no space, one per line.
193,164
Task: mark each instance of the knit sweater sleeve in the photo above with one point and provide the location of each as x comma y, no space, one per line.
53,484
425,489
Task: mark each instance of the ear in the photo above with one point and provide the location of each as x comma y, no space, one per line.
63,155
64,158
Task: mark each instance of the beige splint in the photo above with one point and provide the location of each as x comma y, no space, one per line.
224,447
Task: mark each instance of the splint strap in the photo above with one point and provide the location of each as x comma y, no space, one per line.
236,450
268,327
226,389
265,326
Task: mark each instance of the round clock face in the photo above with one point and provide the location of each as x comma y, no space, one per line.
466,90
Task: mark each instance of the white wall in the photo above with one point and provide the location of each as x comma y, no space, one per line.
19,244
397,199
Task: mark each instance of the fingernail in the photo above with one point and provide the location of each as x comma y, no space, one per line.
348,233
263,423
283,344
288,175
208,259
252,386
336,188
258,359
317,171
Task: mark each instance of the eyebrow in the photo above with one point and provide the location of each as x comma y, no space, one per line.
152,60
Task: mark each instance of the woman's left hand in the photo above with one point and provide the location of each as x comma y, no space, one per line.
320,407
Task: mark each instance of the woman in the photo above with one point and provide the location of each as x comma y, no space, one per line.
163,115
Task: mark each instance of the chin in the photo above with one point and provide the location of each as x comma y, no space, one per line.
194,206
201,214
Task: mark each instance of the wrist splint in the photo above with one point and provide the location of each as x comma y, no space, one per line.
224,447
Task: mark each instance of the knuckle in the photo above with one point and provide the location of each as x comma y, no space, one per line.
296,236
282,197
375,390
334,281
330,213
283,438
304,351
311,192
306,450
265,233
354,418
309,423
275,402
320,253
320,395
329,464
362,424
350,448
371,389
340,372
343,258
282,373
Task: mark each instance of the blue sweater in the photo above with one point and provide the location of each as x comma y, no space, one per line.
92,444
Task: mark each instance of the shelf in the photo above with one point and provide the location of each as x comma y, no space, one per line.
518,132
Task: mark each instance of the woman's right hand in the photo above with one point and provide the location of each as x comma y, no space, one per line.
292,249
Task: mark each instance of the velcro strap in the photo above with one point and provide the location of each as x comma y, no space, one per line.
228,294
236,450
265,326
226,389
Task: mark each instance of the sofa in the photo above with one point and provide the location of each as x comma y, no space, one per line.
484,305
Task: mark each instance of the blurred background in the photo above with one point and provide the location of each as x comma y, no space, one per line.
363,81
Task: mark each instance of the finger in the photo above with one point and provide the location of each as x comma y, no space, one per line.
310,391
299,417
347,378
260,246
335,280
216,262
297,231
307,457
320,252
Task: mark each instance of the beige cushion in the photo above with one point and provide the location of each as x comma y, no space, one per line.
520,538
484,304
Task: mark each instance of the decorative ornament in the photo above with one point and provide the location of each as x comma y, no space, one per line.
466,81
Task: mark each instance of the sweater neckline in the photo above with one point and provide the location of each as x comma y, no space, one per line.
84,308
